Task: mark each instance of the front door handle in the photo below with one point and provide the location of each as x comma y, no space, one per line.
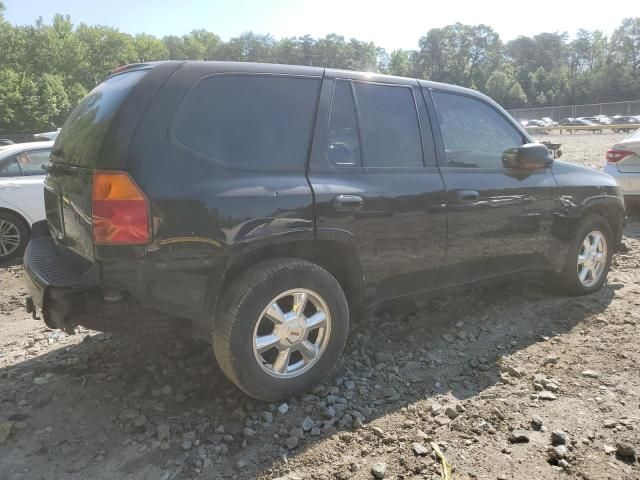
344,203
467,196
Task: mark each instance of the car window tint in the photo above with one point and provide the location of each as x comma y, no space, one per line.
10,168
389,126
343,145
32,163
250,120
474,134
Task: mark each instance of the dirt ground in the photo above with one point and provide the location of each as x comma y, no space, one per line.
510,382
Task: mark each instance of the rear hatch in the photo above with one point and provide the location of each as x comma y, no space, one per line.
96,136
629,154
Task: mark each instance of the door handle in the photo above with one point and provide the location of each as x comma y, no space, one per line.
344,203
467,196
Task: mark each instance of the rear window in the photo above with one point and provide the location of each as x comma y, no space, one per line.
82,134
249,120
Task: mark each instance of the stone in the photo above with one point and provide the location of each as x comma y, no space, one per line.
536,422
379,469
283,408
349,384
248,432
519,436
292,442
609,449
551,360
140,421
496,411
452,413
384,357
558,437
164,432
546,395
626,451
448,338
419,449
267,417
563,463
513,371
610,423
308,424
186,444
590,374
378,432
6,429
557,452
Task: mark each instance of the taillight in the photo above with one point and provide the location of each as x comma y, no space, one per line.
120,210
617,155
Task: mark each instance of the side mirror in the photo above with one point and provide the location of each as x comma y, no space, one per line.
529,156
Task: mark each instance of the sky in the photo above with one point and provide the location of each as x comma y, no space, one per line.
396,24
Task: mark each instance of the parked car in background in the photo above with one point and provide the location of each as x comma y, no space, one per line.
623,164
47,135
536,123
599,120
621,121
549,122
575,122
21,193
254,206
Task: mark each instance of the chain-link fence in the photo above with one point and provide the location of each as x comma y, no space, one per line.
557,113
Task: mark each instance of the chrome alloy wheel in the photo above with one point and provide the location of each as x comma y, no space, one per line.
592,258
292,333
9,238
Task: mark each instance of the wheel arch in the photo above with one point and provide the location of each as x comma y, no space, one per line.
17,214
611,209
338,258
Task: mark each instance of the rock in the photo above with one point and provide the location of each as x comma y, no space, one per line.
379,469
558,437
242,464
513,371
557,453
546,395
536,422
186,444
519,436
308,424
610,423
419,449
551,360
378,432
292,442
563,463
6,429
267,417
609,449
166,390
164,432
349,384
448,338
441,421
552,387
140,421
590,374
451,412
248,432
496,411
390,392
283,408
626,451
384,357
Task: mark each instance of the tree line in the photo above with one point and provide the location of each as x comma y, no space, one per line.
45,69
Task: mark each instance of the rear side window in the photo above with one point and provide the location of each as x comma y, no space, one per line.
249,120
10,168
343,145
389,126
32,163
474,134
81,136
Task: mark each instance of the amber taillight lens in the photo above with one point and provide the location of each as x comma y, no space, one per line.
120,210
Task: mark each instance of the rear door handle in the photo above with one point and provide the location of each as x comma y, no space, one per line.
467,196
348,202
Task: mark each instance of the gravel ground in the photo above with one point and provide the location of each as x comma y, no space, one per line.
508,382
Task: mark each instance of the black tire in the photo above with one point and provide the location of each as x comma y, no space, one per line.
240,308
16,226
569,280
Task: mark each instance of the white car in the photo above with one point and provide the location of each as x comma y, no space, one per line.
623,163
21,193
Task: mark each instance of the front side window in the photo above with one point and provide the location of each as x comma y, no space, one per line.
389,126
32,163
249,120
10,168
474,134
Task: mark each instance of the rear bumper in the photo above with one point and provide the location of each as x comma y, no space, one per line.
54,278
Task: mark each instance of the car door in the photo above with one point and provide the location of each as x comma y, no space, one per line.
376,185
21,185
499,218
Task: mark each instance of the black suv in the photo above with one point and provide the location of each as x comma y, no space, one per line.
256,206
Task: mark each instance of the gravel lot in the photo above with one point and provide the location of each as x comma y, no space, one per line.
509,382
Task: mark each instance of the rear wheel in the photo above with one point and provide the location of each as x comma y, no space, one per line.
280,328
14,236
589,257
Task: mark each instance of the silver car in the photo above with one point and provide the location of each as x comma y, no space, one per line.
623,163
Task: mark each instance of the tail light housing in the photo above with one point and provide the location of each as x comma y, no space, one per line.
614,156
120,210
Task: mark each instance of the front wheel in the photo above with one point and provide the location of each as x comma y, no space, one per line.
589,257
280,328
